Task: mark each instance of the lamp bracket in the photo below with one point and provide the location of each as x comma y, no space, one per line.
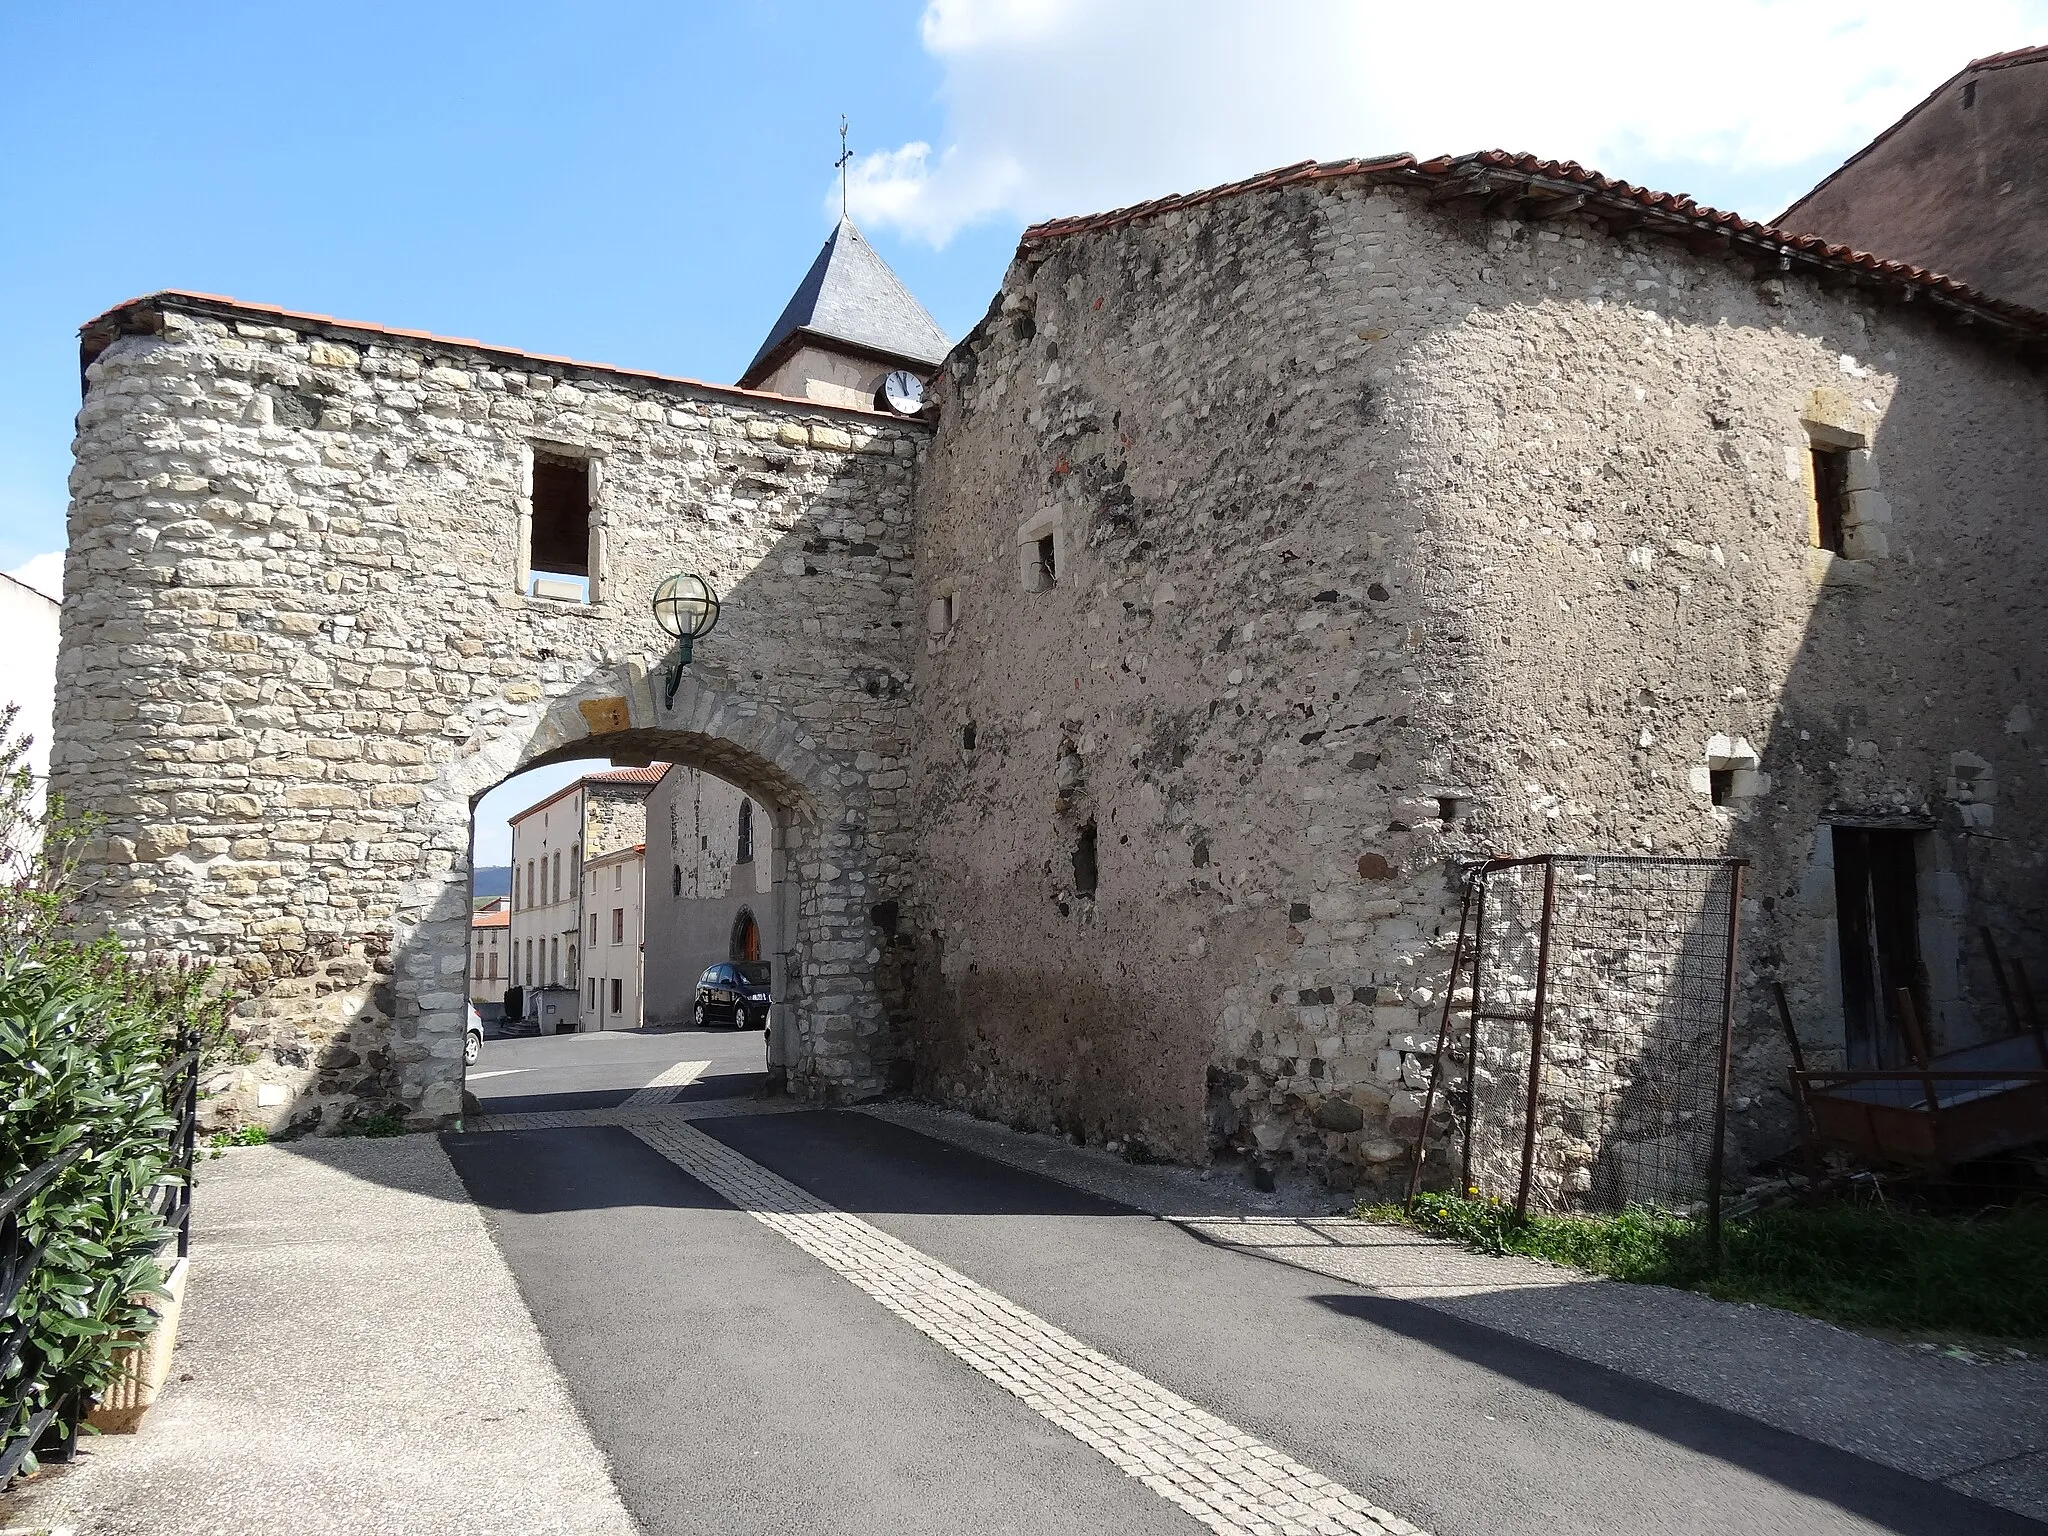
675,672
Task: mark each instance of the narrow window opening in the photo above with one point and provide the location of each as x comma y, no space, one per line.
1048,563
1449,807
1084,861
745,853
1830,497
560,547
618,997
675,882
1720,785
967,737
1969,94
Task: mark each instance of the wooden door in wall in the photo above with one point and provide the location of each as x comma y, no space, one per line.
1877,910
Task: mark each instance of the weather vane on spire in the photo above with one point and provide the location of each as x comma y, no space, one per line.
845,155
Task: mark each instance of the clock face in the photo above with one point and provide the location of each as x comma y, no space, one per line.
903,393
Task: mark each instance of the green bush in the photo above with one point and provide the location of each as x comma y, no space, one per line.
85,1034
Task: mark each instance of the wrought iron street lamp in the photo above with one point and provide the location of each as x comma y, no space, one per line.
686,607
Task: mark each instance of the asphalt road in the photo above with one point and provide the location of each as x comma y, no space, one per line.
738,1385
596,1071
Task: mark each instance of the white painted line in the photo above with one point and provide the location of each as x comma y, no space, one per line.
1225,1479
666,1084
477,1077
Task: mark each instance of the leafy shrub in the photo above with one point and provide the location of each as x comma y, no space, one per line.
85,1034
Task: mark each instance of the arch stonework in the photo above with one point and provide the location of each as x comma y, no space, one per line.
298,645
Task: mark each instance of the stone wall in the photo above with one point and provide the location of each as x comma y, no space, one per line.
697,888
295,651
1385,536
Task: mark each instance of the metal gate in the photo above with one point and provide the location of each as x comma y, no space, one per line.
1589,1068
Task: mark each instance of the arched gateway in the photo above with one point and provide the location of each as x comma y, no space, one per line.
343,580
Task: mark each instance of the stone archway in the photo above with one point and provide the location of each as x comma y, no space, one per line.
306,630
829,1035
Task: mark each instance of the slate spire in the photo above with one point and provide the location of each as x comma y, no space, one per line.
851,300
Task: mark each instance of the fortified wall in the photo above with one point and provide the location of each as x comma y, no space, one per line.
1282,548
299,641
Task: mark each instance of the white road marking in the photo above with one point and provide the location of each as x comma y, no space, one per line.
477,1077
1225,1479
667,1083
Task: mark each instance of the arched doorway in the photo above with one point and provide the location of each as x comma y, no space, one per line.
746,938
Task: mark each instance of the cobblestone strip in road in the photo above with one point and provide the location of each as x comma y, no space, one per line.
1226,1479
620,1114
666,1084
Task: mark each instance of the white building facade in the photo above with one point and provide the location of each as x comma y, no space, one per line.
614,939
28,639
554,843
489,933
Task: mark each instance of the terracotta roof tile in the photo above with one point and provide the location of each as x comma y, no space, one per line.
1499,171
498,919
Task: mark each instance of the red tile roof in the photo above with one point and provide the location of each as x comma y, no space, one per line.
218,303
648,775
498,918
1510,177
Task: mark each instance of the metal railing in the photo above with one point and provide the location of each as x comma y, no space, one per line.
23,1426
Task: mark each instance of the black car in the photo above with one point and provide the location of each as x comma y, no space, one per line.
733,994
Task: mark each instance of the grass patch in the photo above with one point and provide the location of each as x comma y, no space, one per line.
1859,1264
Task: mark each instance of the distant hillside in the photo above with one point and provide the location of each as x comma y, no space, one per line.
491,881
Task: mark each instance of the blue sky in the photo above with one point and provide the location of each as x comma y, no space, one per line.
645,183
635,184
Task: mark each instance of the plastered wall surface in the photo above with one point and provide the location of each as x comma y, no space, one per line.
1387,537
294,652
697,886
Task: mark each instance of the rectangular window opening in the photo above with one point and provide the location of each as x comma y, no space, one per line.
1720,785
1830,497
1048,563
618,997
559,550
1877,914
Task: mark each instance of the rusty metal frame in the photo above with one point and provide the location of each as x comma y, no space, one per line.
1470,954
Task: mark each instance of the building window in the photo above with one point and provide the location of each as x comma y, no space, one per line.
1038,552
746,842
576,869
494,965
593,992
559,541
557,881
675,882
569,976
515,887
618,997
477,971
529,962
554,962
944,611
618,877
1830,497
618,925
531,896
593,927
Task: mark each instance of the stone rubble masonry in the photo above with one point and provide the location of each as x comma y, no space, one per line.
295,651
1386,536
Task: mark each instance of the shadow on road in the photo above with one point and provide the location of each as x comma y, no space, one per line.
1888,1499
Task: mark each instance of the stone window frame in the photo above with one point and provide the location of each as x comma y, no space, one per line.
1866,515
943,612
1735,757
1035,531
594,460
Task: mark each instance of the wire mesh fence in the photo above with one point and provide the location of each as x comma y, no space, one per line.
1591,1073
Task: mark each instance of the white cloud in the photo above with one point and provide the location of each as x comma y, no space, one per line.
43,572
1062,107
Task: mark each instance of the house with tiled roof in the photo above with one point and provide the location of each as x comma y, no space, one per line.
1127,716
1957,184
